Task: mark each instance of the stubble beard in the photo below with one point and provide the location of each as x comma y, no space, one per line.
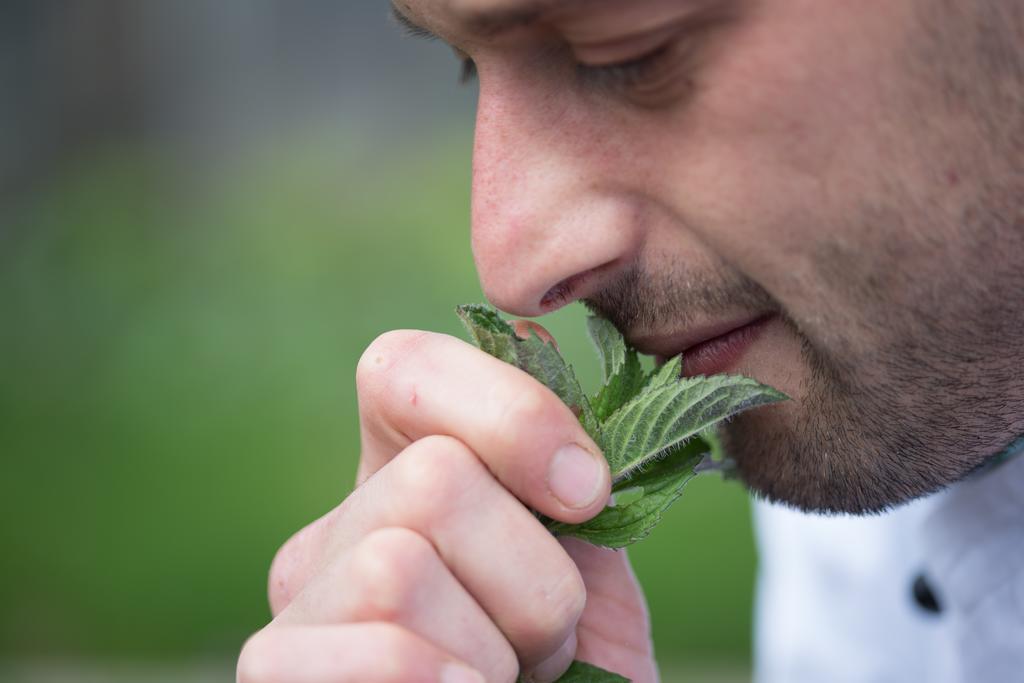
938,387
920,401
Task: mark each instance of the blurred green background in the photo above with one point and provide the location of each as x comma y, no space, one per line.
188,275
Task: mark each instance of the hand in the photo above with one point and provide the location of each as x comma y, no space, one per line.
434,567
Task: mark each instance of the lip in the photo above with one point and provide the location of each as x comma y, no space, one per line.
707,350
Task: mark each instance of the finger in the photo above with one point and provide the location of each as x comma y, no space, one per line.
552,668
347,653
416,384
496,548
524,328
614,630
395,575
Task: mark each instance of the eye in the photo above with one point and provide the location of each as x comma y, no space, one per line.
623,75
632,73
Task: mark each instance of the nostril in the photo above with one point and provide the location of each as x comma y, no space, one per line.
559,295
571,288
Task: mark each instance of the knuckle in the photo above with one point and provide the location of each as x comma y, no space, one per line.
385,567
567,600
553,614
434,473
381,356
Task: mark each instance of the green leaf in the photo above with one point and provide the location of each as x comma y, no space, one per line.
538,358
666,414
611,347
659,483
545,364
669,372
581,672
653,475
716,451
621,388
489,331
623,376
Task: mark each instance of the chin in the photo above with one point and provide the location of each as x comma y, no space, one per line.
818,454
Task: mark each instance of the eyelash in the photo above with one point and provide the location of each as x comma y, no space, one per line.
622,75
467,72
626,74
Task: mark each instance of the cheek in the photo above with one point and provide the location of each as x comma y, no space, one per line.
785,140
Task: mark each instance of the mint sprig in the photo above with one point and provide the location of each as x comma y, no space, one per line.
654,428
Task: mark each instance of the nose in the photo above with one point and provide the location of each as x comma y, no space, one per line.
550,222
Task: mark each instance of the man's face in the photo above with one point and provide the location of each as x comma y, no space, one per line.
850,174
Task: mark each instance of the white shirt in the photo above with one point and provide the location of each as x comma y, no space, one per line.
835,599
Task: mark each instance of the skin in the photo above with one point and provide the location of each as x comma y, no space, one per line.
854,170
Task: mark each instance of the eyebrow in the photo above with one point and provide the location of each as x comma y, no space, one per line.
492,22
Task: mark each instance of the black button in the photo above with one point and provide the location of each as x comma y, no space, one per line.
924,596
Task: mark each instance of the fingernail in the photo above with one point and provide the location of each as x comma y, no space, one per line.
523,329
576,476
453,672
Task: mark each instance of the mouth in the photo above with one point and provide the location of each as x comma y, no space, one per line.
706,351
